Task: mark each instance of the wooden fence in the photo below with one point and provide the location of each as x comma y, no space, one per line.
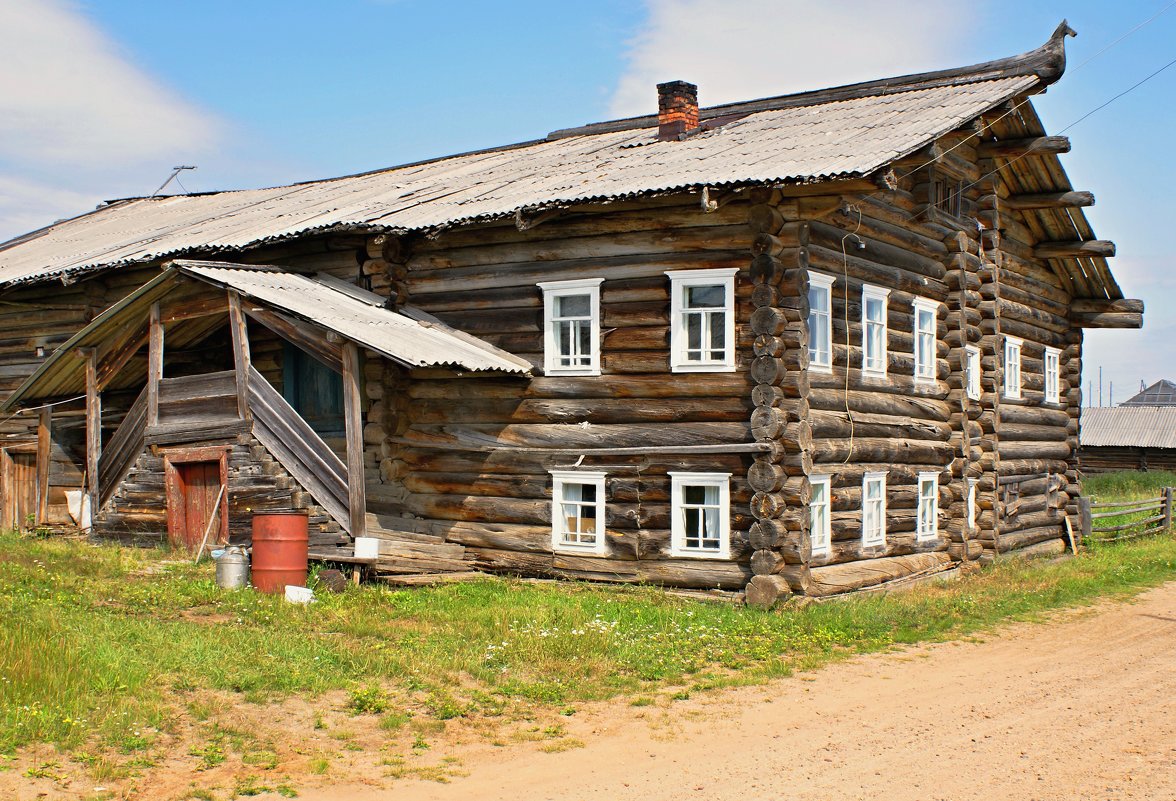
1126,520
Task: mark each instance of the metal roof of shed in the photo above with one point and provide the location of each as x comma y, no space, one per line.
1130,426
1161,393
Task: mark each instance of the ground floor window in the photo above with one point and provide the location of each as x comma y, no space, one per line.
700,512
928,506
819,528
972,482
577,511
874,509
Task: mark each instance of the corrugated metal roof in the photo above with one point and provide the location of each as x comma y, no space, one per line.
359,316
1129,426
799,143
1161,393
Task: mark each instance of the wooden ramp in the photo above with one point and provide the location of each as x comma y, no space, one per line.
406,557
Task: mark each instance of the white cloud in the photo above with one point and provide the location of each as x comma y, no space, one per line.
78,121
744,49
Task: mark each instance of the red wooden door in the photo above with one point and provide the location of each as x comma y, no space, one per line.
21,508
199,484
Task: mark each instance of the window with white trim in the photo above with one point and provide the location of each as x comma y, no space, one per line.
874,509
700,515
972,371
577,511
971,504
819,517
702,320
874,332
571,327
1053,377
1012,367
820,321
926,355
928,525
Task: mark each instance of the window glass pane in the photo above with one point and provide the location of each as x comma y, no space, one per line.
702,297
693,333
718,332
573,306
875,309
585,341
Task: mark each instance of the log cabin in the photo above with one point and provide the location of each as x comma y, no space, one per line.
796,345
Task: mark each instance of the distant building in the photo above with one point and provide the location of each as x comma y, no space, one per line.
1139,437
1161,393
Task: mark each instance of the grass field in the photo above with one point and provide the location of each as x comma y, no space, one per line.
108,654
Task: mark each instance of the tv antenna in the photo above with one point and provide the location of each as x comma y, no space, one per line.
175,171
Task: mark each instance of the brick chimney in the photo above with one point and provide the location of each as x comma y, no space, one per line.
677,109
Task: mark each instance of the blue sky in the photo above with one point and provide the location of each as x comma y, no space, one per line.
101,99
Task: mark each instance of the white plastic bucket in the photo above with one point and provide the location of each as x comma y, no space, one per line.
299,595
367,548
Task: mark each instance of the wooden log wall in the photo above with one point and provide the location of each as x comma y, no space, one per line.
498,503
1107,459
137,513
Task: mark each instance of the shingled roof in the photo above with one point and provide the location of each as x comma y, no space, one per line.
843,133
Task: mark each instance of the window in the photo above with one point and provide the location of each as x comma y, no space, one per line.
928,506
819,528
926,355
947,194
874,330
700,522
820,322
702,320
571,327
1012,367
874,509
1053,375
972,483
577,511
972,371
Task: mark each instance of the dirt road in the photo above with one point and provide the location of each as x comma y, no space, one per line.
1081,708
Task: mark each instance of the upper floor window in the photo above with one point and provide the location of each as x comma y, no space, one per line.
820,322
1053,377
874,508
946,194
577,511
819,518
1012,367
874,331
700,514
571,327
702,320
928,525
925,346
972,371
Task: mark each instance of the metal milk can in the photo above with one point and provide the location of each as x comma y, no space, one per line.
232,568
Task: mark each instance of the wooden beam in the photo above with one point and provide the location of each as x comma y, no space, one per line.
305,336
353,415
173,311
1015,148
1100,306
44,443
115,359
240,332
1075,249
93,429
1108,320
154,364
1043,200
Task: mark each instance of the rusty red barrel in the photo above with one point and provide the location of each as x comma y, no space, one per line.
279,550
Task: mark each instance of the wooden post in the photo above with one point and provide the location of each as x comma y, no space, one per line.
240,333
93,429
154,364
353,415
1168,509
1084,519
44,427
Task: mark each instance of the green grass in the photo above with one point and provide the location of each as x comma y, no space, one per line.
1126,486
110,649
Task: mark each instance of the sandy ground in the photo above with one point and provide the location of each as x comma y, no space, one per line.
1081,708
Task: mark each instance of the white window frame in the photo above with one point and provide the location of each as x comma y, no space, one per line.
972,371
1052,366
563,289
870,537
925,371
561,478
1012,367
928,513
680,281
822,282
678,482
973,484
820,526
871,292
